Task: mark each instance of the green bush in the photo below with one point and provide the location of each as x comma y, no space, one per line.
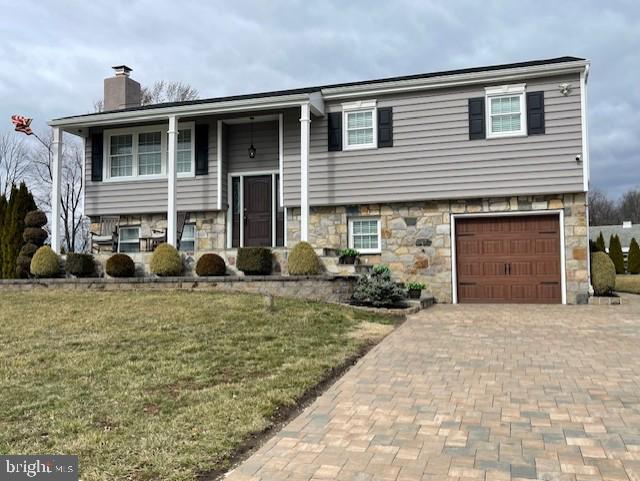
600,246
166,261
603,274
303,260
120,265
615,252
79,265
23,262
35,218
254,261
381,269
378,290
416,286
211,265
34,235
633,261
45,263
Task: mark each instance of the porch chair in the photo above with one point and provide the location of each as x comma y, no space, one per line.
108,235
159,236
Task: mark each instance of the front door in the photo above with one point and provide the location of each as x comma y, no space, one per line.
257,210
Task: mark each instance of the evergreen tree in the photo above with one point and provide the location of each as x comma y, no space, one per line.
600,245
20,202
615,252
633,261
3,209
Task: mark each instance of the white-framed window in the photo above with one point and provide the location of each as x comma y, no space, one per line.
141,152
359,125
188,239
506,111
129,239
365,235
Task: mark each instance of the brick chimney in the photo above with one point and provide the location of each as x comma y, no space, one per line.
121,91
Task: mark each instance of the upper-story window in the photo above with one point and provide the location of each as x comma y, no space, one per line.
506,111
142,152
359,124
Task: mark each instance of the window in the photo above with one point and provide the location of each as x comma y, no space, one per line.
359,124
129,239
188,240
121,156
141,152
364,235
150,153
506,111
183,154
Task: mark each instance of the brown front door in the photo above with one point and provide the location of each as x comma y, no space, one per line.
509,259
257,210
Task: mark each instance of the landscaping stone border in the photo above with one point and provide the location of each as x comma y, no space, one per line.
326,288
606,300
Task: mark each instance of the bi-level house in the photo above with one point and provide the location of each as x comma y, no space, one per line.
473,181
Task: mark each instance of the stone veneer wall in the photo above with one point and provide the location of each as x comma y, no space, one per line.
416,237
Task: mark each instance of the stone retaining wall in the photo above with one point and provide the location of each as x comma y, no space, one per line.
333,289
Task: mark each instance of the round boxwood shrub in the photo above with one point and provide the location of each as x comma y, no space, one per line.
603,274
254,261
35,218
166,261
303,260
120,265
211,265
35,235
79,265
45,263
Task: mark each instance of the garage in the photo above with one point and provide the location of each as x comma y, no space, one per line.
508,259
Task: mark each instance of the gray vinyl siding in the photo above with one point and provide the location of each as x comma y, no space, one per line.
433,158
265,140
150,196
291,157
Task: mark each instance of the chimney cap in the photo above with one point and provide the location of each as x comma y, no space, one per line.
627,224
122,70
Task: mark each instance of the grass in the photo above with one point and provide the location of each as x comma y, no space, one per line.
628,283
160,385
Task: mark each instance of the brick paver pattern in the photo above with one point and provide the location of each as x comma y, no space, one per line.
476,393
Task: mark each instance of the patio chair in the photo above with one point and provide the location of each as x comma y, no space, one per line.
108,235
159,236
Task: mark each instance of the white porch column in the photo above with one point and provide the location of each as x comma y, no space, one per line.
56,200
172,213
305,123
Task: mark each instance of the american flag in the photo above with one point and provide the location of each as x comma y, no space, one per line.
22,124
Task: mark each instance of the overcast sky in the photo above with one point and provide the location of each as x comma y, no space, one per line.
54,54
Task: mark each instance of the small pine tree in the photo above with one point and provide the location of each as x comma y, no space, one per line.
615,252
600,245
20,202
3,210
633,261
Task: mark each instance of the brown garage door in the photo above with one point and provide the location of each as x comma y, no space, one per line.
508,259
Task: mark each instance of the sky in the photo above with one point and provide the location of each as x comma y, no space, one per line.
54,54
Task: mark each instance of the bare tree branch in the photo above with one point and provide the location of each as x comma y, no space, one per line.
163,91
14,160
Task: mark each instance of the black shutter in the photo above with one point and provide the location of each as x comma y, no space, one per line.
334,131
476,118
97,153
385,127
202,149
535,113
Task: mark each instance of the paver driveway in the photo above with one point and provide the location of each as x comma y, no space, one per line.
477,392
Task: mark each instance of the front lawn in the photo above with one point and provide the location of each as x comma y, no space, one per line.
628,283
160,385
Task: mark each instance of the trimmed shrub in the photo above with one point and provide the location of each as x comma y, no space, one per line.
35,218
603,274
23,262
378,290
45,263
633,261
615,252
600,246
211,265
254,261
303,260
166,261
35,235
120,265
79,265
